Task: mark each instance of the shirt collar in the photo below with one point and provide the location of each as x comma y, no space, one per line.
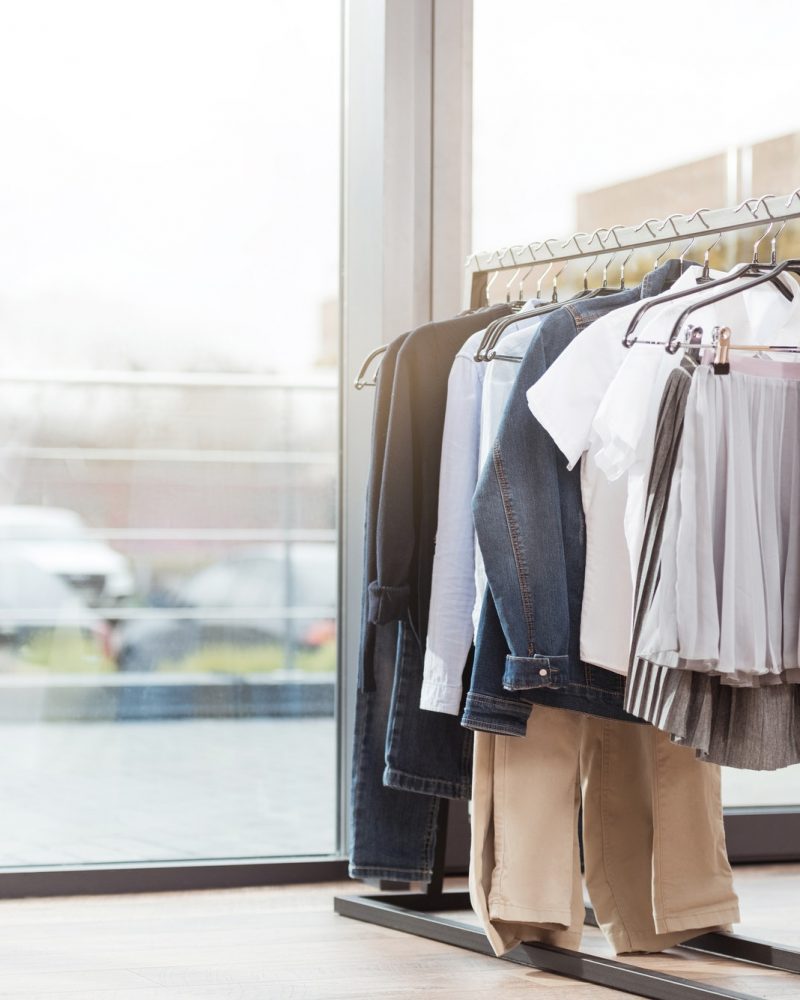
769,312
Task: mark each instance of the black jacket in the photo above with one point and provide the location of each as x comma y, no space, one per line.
400,589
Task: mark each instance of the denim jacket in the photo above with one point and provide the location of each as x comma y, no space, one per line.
530,527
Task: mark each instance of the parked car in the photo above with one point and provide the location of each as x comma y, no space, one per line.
240,594
43,619
59,542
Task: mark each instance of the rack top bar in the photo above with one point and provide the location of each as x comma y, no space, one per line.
703,222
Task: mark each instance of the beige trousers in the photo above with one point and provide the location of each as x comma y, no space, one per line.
655,862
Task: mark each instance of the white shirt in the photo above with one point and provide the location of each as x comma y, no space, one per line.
601,399
453,592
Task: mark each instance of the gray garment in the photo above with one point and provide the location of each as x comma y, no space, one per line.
752,728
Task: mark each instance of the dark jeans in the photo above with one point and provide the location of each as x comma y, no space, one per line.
403,758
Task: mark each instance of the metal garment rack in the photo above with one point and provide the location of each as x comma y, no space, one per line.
753,212
424,913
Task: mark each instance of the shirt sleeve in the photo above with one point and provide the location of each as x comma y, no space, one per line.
453,584
566,398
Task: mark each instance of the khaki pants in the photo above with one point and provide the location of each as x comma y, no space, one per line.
656,867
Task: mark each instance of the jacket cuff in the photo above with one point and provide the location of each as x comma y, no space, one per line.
387,604
504,716
523,673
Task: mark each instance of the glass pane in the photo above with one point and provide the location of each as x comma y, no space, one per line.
585,120
168,431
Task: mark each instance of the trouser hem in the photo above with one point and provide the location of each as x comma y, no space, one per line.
506,935
698,918
393,778
554,918
390,874
631,944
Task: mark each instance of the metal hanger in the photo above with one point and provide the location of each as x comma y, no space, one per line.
547,270
499,254
491,354
486,350
478,356
613,232
705,276
495,329
606,264
745,269
793,266
604,251
361,381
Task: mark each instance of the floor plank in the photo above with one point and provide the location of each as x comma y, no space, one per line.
285,943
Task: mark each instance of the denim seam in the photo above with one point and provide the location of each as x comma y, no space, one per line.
407,782
430,835
509,705
492,726
580,318
514,534
390,874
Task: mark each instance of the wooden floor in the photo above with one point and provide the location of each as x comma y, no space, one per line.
287,944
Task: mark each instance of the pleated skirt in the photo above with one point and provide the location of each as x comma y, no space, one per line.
696,695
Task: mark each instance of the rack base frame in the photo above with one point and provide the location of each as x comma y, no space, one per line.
421,914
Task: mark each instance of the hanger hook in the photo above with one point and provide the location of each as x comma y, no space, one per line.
762,202
614,254
613,232
791,198
559,272
646,225
499,254
699,215
686,249
606,265
549,267
666,250
760,240
509,284
754,212
523,279
745,204
706,257
773,244
670,219
595,234
588,269
513,276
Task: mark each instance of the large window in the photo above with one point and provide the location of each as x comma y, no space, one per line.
585,118
168,420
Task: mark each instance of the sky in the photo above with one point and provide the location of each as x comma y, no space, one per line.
573,96
169,181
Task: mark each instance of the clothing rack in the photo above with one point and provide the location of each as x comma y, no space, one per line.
424,913
752,212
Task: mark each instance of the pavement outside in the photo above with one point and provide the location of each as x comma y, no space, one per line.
94,792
